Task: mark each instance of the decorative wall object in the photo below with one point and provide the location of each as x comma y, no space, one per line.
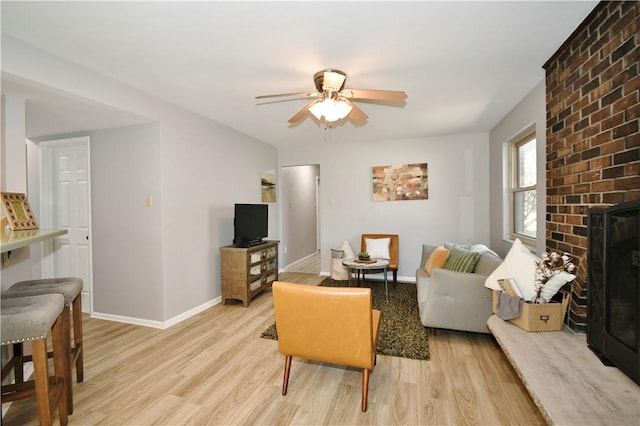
404,182
17,211
269,186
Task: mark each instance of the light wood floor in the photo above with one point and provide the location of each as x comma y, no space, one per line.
308,265
215,369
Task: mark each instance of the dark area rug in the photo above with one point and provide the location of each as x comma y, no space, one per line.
401,332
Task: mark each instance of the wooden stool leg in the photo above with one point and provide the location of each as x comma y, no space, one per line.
65,318
77,338
41,377
18,370
61,362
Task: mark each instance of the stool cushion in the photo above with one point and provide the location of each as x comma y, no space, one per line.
69,287
29,318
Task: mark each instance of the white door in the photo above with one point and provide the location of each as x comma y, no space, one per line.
66,203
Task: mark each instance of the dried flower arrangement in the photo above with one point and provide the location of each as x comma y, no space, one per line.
550,265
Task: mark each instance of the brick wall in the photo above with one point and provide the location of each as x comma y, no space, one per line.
593,141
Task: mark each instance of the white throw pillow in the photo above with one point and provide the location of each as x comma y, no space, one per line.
378,248
482,249
551,287
519,264
346,248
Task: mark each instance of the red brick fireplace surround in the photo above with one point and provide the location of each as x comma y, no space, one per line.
593,141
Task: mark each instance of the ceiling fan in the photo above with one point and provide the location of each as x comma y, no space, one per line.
333,102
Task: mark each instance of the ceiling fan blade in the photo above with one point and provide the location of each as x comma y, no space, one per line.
333,81
376,95
304,94
301,114
356,114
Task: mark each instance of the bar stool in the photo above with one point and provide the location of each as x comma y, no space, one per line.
71,289
32,319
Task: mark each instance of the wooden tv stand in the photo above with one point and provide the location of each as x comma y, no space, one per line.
247,271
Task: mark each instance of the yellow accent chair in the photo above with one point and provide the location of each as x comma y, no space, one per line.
336,325
393,251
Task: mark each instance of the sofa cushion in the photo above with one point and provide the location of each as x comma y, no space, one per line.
461,260
487,263
449,245
426,252
437,259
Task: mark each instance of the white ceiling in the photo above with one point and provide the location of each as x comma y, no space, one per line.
463,65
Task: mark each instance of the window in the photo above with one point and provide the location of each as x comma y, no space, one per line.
523,206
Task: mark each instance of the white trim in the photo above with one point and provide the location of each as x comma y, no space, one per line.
159,324
191,312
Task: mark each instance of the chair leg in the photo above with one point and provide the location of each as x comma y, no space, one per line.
78,356
287,369
365,388
395,278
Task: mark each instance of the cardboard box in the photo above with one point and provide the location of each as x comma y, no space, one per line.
539,316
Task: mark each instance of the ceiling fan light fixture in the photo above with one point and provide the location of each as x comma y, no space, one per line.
332,102
330,109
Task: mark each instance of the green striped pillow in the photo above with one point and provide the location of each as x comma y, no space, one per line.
461,260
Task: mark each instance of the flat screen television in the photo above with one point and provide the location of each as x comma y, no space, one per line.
250,224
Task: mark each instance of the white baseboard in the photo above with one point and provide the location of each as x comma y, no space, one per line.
191,312
158,324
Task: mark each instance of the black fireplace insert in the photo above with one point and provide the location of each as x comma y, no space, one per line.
613,307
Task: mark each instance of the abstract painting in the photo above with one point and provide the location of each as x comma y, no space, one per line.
268,183
403,182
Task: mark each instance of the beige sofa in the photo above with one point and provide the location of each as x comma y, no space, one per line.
456,300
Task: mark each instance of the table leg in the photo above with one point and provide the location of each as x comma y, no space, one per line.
386,289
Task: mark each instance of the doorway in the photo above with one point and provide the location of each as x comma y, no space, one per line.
65,202
301,218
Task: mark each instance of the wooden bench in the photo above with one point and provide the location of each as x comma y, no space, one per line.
567,381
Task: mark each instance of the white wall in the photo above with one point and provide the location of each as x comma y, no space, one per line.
199,169
530,111
457,209
126,234
13,178
206,168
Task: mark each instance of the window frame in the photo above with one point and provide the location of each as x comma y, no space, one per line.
514,173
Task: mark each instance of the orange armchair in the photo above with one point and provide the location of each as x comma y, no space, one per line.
327,324
393,251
